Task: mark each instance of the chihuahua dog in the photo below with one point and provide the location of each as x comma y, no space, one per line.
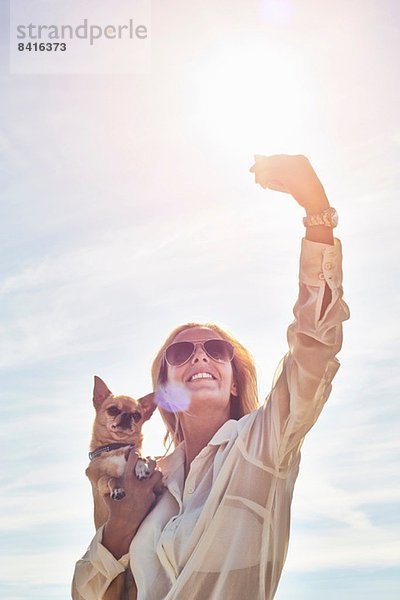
117,429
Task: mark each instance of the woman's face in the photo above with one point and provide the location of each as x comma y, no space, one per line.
214,390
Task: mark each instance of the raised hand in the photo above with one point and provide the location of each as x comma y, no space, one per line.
292,174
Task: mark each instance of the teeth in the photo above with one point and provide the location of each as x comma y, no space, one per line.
201,376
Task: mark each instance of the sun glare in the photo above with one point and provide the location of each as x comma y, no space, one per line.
253,93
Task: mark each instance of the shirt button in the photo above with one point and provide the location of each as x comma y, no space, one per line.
328,266
190,490
321,276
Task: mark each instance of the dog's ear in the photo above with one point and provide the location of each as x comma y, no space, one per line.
148,405
100,392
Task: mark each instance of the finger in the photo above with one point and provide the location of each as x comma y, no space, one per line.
159,489
132,460
276,185
157,485
128,451
258,163
273,163
264,168
151,464
107,499
262,180
155,480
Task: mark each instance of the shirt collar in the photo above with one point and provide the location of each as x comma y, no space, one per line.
170,463
176,459
224,433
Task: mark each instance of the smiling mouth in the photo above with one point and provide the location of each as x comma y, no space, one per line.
201,376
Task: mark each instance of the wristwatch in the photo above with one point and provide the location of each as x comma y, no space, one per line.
327,217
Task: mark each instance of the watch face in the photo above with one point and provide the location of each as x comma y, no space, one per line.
334,217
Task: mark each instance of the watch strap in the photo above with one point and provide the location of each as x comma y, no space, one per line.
327,217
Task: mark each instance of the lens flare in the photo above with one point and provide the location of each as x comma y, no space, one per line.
173,398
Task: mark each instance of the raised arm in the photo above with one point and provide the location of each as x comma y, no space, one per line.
302,381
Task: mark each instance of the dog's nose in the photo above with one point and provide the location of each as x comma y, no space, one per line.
125,420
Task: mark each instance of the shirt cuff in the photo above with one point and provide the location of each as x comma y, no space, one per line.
103,560
321,263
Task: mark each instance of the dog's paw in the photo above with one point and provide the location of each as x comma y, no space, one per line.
142,470
117,494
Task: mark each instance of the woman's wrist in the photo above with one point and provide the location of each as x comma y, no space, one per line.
311,196
319,233
316,203
118,535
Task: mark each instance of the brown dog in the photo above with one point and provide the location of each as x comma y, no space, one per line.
117,429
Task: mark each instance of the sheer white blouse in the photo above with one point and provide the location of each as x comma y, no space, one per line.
223,533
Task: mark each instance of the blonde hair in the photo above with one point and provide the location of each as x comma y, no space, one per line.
244,375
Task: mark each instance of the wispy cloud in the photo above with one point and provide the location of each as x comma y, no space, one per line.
56,303
351,548
41,568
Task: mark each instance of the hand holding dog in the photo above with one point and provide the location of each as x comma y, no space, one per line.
126,515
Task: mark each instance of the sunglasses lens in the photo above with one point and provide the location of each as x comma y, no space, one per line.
178,353
219,350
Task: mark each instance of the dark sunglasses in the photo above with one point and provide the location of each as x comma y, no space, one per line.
180,352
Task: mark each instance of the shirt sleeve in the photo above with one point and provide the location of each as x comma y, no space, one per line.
96,570
302,381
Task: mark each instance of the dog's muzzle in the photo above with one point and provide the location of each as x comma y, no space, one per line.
125,421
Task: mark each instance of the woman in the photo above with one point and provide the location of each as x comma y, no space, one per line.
220,528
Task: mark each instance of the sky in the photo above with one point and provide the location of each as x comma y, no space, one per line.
127,208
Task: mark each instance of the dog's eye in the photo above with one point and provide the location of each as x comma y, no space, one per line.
113,411
136,416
